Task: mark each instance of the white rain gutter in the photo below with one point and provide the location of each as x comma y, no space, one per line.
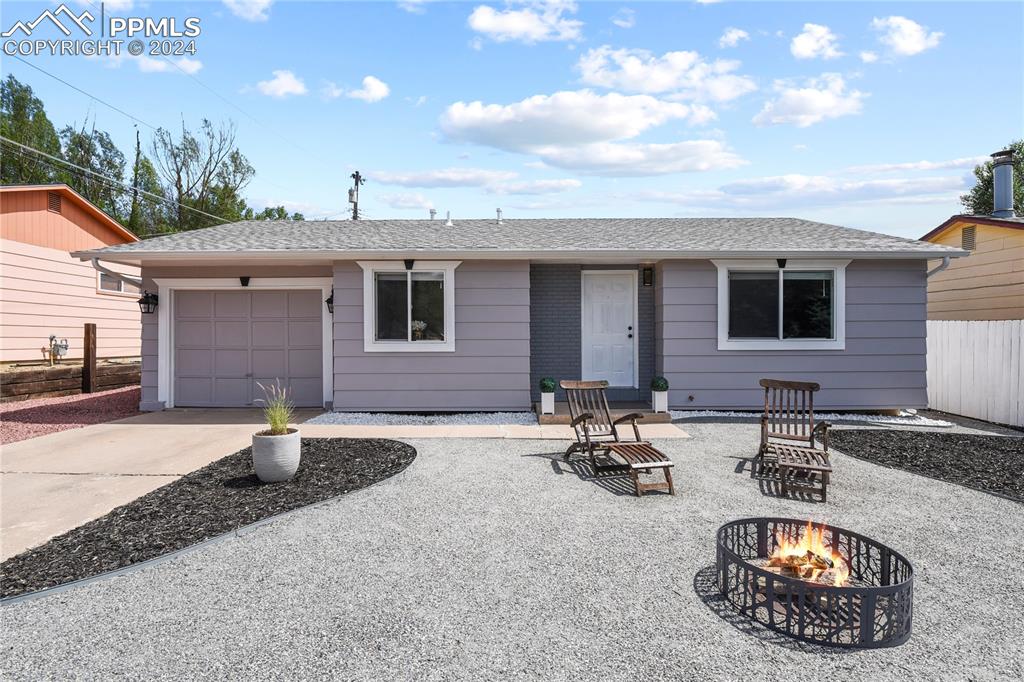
137,281
938,268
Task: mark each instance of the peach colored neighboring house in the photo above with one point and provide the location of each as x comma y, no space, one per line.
44,291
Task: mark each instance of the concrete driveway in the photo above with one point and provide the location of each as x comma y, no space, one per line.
56,482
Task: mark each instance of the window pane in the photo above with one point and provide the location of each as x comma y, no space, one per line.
392,306
807,305
428,306
108,283
754,305
130,288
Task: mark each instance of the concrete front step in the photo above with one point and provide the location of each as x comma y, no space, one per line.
561,415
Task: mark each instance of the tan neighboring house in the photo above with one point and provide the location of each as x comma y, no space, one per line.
44,291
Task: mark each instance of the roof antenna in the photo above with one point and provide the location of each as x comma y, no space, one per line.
499,216
448,221
433,212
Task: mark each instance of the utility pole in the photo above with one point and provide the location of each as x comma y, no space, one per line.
353,194
133,217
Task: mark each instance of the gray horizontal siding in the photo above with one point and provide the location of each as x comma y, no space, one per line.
883,365
489,370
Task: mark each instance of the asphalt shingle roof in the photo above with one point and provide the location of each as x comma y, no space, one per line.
682,235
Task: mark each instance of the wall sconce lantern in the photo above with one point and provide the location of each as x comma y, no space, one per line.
410,264
648,276
147,304
781,262
330,302
244,281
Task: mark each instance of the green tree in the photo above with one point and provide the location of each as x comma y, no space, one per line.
275,213
94,150
23,119
980,200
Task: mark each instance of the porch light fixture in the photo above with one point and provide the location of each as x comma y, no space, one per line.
648,277
244,281
781,262
147,304
330,302
410,264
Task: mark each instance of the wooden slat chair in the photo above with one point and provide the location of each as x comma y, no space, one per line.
789,433
592,419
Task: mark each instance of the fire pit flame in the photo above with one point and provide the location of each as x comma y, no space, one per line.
807,557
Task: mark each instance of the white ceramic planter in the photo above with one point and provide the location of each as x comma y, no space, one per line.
660,401
276,458
547,403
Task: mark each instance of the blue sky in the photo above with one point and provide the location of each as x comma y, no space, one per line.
869,115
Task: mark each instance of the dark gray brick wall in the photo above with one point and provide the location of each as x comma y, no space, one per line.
555,328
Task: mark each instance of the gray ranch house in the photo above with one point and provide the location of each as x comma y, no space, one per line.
427,315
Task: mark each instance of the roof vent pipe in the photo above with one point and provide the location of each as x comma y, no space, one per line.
448,221
1002,184
499,216
433,212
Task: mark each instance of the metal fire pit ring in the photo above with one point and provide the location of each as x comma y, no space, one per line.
873,610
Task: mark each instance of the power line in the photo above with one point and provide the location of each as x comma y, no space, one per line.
118,183
90,96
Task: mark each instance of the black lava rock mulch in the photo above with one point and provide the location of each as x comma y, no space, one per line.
989,463
216,499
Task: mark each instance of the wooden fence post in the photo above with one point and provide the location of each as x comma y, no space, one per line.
89,358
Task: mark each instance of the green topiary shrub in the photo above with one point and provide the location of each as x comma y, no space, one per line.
548,385
659,384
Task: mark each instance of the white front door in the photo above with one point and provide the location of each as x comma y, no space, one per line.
609,327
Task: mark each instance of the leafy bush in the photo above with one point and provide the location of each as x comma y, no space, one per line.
547,385
659,384
277,408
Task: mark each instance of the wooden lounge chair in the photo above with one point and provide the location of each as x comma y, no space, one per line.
790,436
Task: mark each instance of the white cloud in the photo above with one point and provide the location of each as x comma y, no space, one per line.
406,200
413,6
373,90
250,10
905,37
684,72
444,177
732,37
283,84
868,57
331,90
624,18
815,41
184,64
631,159
539,20
816,100
476,43
963,162
535,187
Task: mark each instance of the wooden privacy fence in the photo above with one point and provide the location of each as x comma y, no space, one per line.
975,369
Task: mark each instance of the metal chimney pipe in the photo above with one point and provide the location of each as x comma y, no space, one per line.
448,222
433,212
499,216
1002,184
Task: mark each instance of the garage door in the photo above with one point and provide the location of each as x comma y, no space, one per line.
227,341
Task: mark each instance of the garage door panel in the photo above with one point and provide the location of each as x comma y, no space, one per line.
194,391
304,304
193,304
231,362
304,333
270,334
231,391
193,333
269,304
304,363
269,363
191,362
231,334
227,304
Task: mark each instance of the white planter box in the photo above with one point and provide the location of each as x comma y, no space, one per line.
276,458
547,403
660,401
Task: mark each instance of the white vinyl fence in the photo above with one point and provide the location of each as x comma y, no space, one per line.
975,369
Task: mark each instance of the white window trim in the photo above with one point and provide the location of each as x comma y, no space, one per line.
838,269
371,344
120,292
165,318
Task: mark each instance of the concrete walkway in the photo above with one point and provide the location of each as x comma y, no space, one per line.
56,482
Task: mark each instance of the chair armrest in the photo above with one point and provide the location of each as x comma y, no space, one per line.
823,427
631,417
580,419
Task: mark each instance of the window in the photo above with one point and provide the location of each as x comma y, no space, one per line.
764,307
409,309
117,286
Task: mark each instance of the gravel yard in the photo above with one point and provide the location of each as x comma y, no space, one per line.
990,463
30,418
488,560
216,499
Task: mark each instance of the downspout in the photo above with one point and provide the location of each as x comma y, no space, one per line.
137,281
938,268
